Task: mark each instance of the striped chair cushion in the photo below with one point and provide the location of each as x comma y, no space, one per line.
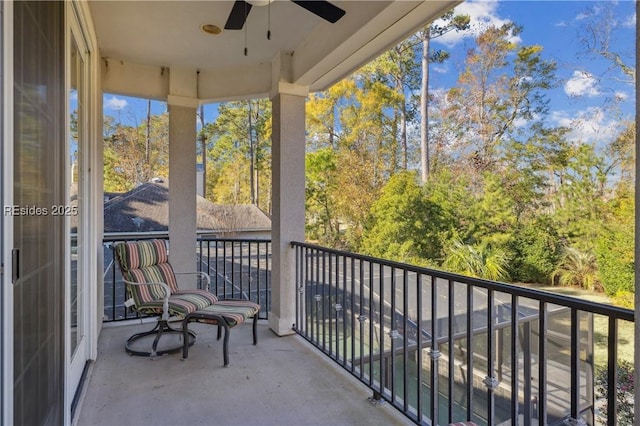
148,262
234,311
181,303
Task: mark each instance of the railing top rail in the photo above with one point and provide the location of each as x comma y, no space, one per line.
128,236
240,240
540,295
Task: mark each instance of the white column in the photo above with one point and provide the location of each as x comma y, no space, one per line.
288,149
182,186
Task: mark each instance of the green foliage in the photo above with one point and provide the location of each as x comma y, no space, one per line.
494,212
614,247
452,193
132,155
614,254
536,251
479,261
577,268
403,225
239,154
321,222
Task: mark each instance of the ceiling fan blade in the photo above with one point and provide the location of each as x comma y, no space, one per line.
238,15
323,9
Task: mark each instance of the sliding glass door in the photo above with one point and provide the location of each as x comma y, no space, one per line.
38,235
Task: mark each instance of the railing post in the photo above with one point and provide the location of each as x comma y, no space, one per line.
612,372
526,352
434,353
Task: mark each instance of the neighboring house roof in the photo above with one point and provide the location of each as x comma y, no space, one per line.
146,209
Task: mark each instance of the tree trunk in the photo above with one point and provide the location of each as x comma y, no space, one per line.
252,154
147,143
203,148
424,103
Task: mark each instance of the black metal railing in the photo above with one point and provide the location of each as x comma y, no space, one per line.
239,268
447,347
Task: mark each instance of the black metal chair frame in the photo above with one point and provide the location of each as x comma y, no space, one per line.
222,324
162,326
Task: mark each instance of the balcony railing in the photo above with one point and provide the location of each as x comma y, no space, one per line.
239,268
442,346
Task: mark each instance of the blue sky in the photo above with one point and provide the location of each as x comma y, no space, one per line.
580,101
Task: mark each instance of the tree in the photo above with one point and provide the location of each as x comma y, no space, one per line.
447,23
135,155
578,200
356,120
239,152
322,223
396,68
597,36
502,84
403,224
535,250
202,137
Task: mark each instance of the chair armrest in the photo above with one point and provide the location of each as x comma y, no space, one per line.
204,277
165,298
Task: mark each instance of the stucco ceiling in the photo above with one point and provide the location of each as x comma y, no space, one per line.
168,34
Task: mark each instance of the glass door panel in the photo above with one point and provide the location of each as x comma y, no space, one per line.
39,240
72,207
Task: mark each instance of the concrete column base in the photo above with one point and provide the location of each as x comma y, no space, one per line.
281,326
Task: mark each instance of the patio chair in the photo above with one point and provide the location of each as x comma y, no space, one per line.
153,290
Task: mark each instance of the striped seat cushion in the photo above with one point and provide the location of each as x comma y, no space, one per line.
234,311
181,303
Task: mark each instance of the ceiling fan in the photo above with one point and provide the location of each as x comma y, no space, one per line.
323,9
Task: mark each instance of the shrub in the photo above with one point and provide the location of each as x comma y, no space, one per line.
536,252
624,394
577,268
614,255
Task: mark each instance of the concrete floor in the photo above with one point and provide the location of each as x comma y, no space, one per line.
281,381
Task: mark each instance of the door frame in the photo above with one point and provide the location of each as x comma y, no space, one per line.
74,33
6,229
79,27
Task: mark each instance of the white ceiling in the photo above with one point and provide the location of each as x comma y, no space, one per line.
168,34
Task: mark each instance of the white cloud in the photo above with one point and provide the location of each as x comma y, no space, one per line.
439,69
483,14
582,84
630,22
590,125
115,103
582,16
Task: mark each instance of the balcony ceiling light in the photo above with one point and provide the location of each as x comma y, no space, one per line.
211,29
259,3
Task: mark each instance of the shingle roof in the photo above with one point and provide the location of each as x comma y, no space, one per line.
146,209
